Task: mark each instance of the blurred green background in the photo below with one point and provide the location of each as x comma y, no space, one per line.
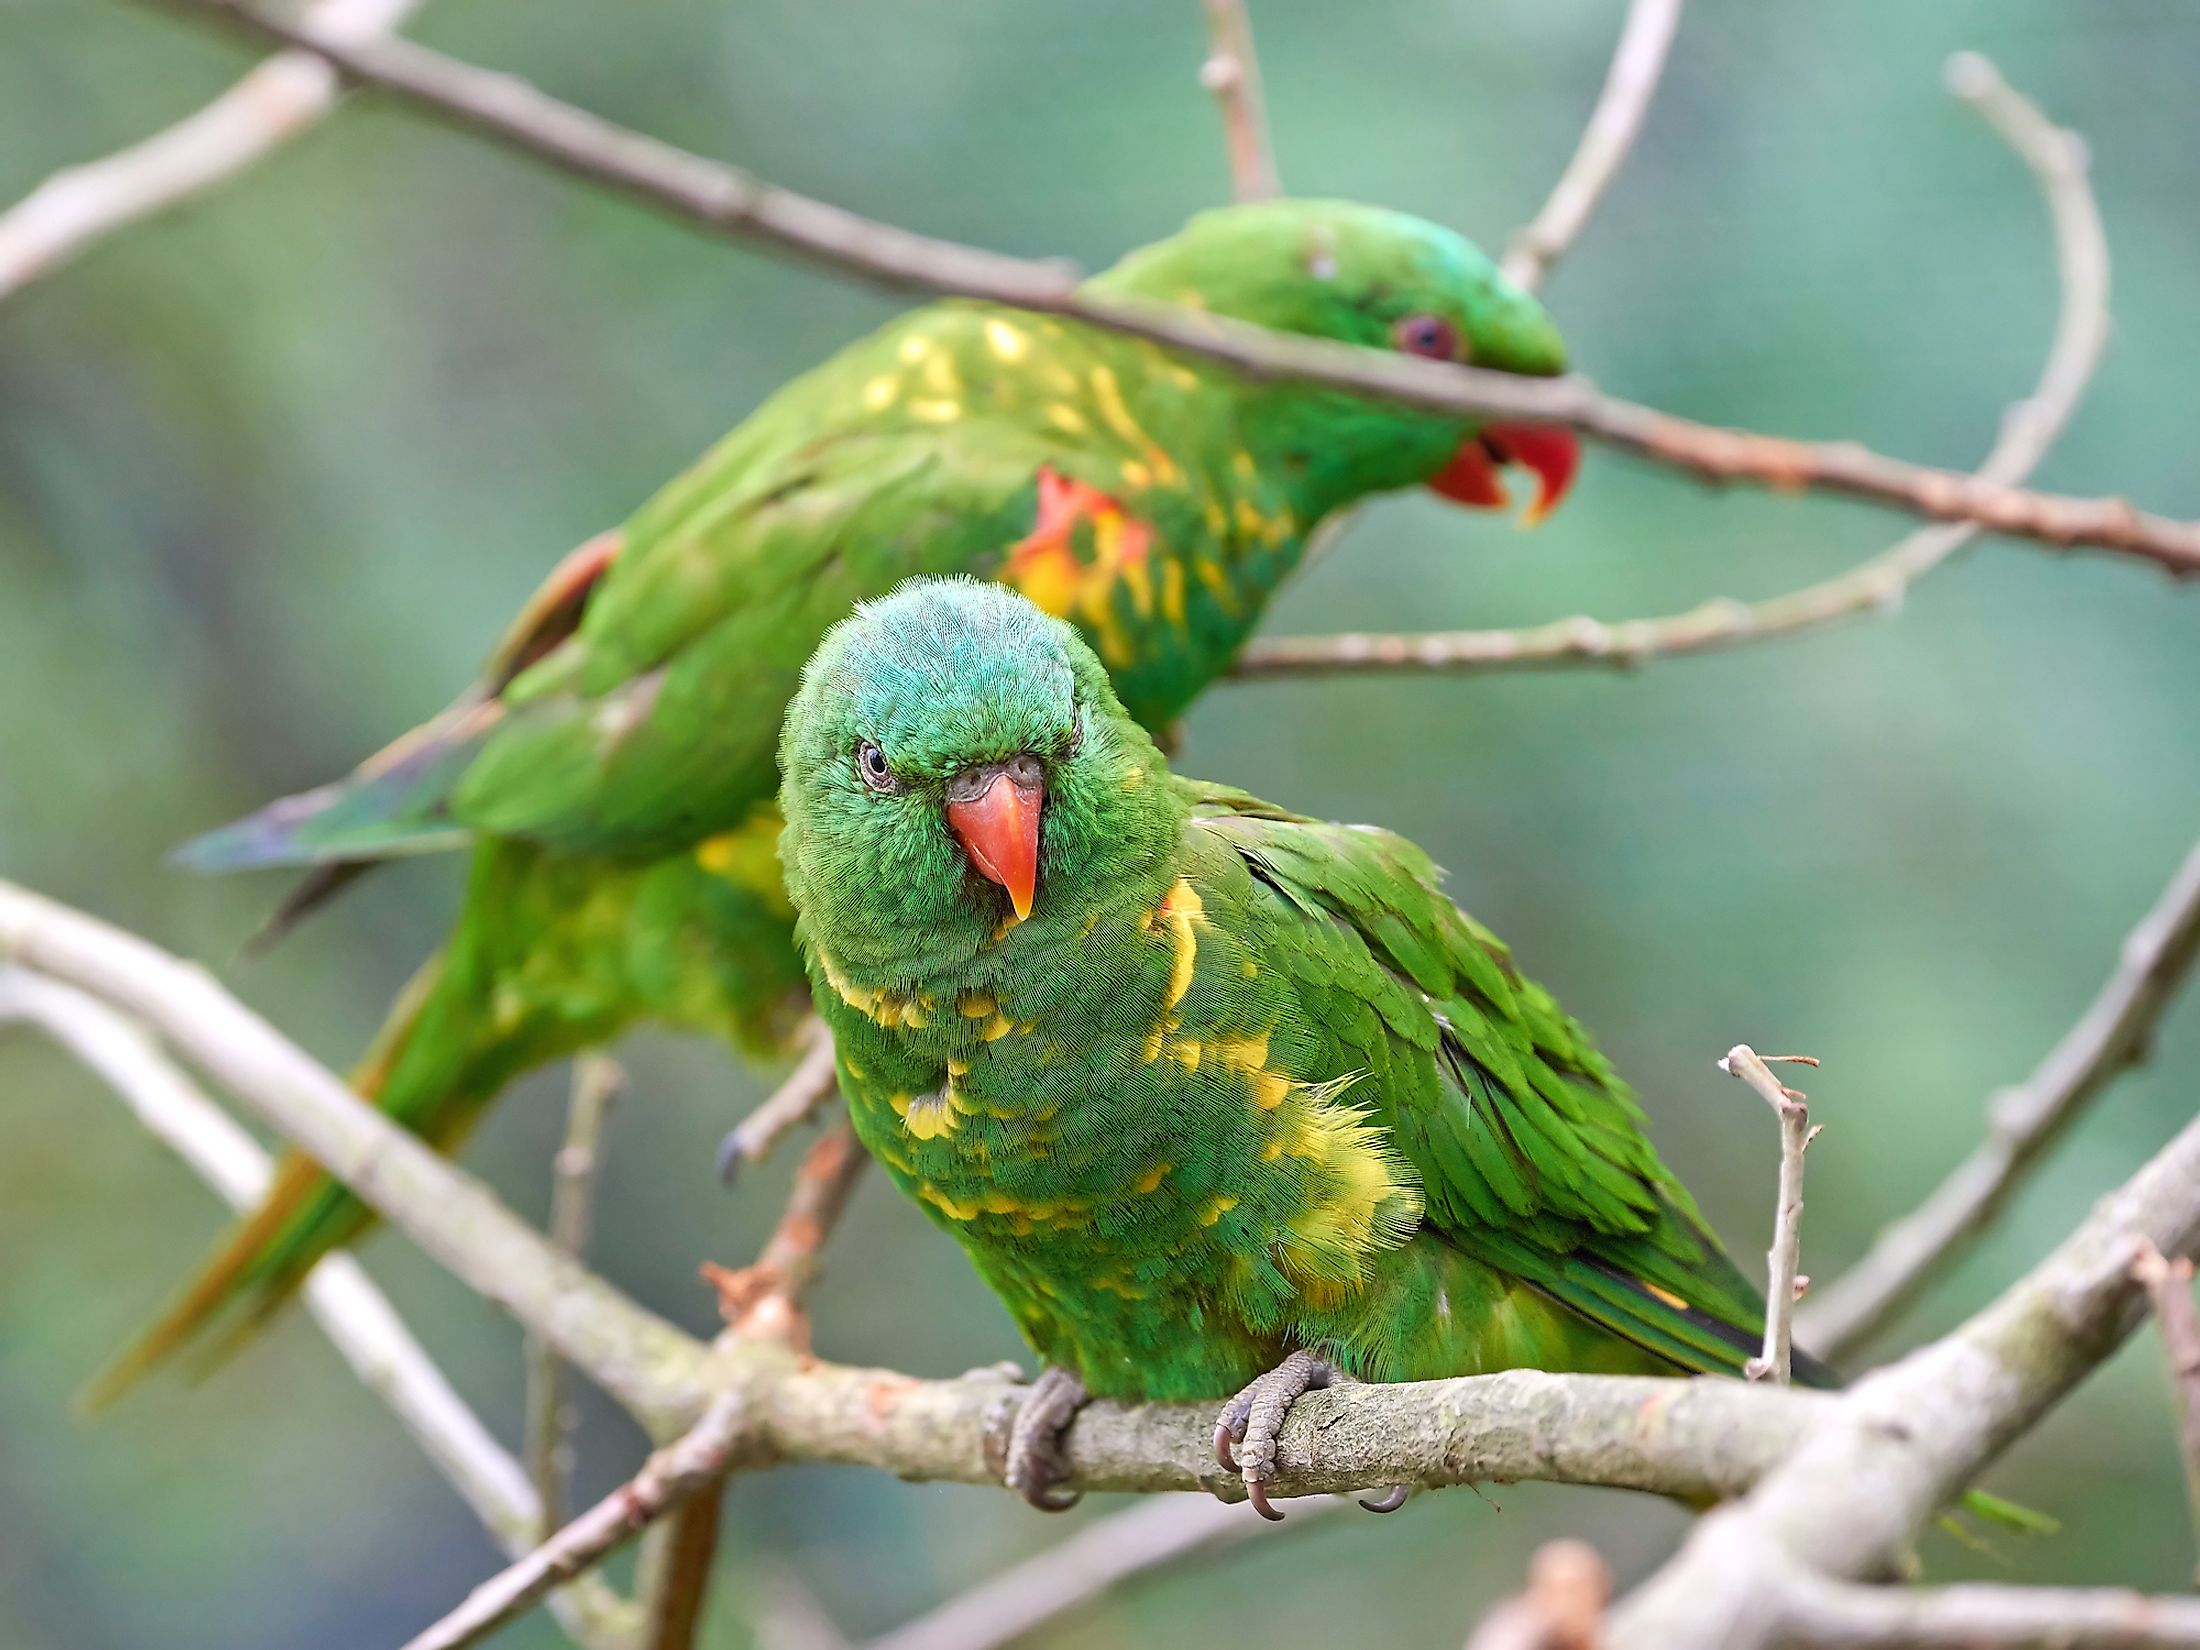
275,469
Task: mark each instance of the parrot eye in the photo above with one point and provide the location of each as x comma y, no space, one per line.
871,763
1429,335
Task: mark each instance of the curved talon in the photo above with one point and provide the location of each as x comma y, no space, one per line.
1224,1452
1391,1500
1050,1499
1256,1491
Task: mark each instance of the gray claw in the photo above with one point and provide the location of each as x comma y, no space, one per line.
1390,1501
1034,1467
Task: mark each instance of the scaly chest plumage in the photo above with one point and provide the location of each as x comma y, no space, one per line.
1125,1120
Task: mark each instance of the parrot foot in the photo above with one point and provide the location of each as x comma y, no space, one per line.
1245,1432
1030,1455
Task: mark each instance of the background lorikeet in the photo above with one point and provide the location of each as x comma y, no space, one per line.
614,770
1218,1098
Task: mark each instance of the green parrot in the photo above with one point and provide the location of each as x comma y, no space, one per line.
613,769
1218,1099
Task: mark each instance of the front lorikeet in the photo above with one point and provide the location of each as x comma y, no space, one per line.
613,770
1219,1099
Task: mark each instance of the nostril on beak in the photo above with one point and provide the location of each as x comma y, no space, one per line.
1026,772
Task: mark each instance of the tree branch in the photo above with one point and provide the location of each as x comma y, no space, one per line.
729,201
2029,429
808,1087
81,205
2112,1036
357,1318
1906,1438
1832,1615
1638,64
1232,73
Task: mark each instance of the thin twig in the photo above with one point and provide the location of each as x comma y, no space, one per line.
1638,63
1783,1262
674,1577
1083,1567
1232,73
1562,1609
691,1464
355,1315
729,201
551,1419
2029,429
81,205
2169,1285
2112,1035
807,1088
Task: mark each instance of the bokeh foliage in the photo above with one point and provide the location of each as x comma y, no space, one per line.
274,470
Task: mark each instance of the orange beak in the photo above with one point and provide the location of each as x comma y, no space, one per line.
1549,450
999,829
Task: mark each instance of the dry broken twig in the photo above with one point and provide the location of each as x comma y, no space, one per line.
765,1297
1638,64
2029,430
2112,1036
1831,1615
1784,1279
795,1101
730,201
342,1299
1232,73
80,206
2168,1285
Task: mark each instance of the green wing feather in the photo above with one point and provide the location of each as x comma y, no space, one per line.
1533,1155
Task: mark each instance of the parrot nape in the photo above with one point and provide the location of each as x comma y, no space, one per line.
613,770
1219,1099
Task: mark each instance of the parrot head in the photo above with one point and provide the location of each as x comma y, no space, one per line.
1366,275
955,762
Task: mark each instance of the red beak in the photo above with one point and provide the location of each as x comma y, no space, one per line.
999,830
1549,450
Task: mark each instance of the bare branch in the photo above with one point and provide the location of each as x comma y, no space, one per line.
729,201
1232,73
2029,429
691,1464
81,205
2168,1284
343,1300
1892,1451
795,1101
2023,1122
1563,1608
1783,1262
1832,1615
597,1081
1638,64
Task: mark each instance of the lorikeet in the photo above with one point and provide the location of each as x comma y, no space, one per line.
613,769
1218,1098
